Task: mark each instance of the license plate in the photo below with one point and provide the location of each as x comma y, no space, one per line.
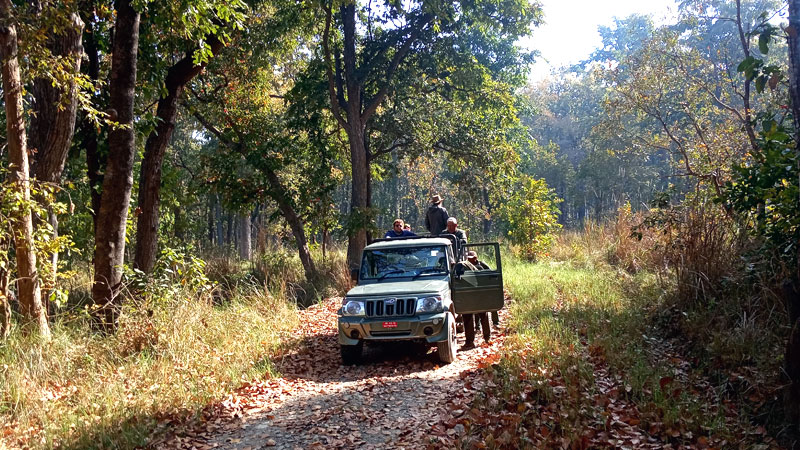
389,324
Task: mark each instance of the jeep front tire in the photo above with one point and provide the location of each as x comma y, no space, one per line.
447,348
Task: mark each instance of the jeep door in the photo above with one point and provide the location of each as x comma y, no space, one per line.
479,290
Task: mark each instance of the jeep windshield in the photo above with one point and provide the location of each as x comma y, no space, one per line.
391,262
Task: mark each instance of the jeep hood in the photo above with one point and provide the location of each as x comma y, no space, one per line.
400,288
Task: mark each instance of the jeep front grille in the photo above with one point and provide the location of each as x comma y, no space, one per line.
388,307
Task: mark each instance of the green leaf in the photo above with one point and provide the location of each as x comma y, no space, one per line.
761,82
763,41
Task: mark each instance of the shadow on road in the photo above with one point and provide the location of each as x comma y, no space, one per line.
318,359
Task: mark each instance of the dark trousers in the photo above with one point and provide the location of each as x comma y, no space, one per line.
469,326
495,320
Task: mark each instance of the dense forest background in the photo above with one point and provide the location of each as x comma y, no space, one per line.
148,143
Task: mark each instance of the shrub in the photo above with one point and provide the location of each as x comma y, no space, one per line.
531,216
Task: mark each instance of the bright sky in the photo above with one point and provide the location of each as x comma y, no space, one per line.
570,30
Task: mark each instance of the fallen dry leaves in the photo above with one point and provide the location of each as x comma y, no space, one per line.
399,397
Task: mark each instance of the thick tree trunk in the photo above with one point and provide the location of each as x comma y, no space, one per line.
53,119
29,290
55,108
792,363
150,176
359,194
245,236
118,178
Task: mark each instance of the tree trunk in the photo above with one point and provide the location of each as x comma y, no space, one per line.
792,363
358,205
53,119
245,237
210,221
150,176
295,223
54,108
118,178
220,224
29,290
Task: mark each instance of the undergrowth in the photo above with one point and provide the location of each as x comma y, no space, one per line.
180,345
700,365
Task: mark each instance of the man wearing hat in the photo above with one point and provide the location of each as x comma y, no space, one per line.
436,216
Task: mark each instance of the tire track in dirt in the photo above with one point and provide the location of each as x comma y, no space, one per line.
400,396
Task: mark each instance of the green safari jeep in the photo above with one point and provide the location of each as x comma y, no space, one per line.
410,289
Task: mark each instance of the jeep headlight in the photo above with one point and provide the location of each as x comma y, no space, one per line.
430,304
353,308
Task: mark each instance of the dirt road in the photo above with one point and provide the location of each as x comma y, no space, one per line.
399,397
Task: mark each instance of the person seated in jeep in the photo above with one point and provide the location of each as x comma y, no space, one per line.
473,263
452,228
398,230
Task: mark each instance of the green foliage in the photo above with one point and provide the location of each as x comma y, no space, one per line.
765,188
531,216
12,204
360,219
765,184
175,270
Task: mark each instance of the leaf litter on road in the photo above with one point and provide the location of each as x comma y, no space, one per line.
401,396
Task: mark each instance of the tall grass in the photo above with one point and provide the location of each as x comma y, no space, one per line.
624,294
176,350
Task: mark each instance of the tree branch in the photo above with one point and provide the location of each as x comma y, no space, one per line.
398,57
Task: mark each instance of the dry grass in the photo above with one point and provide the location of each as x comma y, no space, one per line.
171,356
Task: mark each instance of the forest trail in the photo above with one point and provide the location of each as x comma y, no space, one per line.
398,397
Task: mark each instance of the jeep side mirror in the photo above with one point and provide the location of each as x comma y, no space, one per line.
354,274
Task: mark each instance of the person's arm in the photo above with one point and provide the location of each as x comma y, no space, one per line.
428,222
389,234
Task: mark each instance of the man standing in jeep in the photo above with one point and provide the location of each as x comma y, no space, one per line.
436,216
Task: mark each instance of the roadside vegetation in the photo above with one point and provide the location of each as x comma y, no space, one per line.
606,350
195,334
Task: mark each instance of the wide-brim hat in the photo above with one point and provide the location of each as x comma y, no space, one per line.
436,199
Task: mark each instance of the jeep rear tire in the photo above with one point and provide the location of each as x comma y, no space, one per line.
447,348
351,354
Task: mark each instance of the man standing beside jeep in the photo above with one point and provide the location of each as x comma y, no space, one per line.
436,216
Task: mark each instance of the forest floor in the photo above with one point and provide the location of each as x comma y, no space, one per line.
572,365
400,396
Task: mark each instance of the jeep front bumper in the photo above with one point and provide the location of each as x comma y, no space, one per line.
431,327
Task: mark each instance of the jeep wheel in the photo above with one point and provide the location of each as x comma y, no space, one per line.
351,354
447,349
